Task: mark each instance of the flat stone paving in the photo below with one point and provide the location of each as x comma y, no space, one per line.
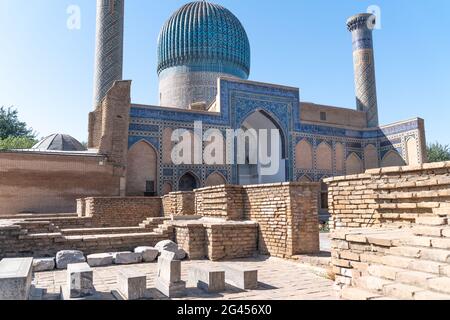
278,280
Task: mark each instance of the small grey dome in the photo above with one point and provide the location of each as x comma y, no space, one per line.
59,142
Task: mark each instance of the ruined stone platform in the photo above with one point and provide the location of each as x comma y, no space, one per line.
278,279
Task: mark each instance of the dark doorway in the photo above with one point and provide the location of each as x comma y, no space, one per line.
187,183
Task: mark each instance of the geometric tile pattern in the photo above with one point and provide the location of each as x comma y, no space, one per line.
364,66
238,100
109,48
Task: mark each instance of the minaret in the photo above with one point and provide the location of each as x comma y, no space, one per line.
361,27
109,46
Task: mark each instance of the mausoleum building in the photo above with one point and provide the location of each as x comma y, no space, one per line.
204,63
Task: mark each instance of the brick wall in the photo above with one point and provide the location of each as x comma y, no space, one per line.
179,204
121,211
224,201
231,241
393,195
35,182
286,213
191,237
287,217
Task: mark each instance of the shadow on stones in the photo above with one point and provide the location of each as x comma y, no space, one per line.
264,286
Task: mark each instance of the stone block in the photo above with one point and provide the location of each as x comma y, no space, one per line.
428,231
80,280
240,277
358,294
43,264
169,270
441,284
171,290
431,295
401,291
414,278
398,262
168,280
385,272
100,259
65,257
15,278
149,254
209,280
127,257
131,284
168,245
372,283
443,243
349,255
432,221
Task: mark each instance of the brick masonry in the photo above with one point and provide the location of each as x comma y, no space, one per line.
396,195
179,204
405,244
120,211
238,221
285,212
34,182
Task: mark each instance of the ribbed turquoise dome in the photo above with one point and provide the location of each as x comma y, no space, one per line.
205,36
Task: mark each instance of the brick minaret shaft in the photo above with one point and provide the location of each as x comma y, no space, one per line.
109,46
361,27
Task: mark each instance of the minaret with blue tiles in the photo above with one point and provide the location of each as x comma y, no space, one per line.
361,26
109,46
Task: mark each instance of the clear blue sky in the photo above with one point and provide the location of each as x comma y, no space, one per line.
46,70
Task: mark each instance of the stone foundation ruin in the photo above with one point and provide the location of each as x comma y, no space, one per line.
391,233
218,223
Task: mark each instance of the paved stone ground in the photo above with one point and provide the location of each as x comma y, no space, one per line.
278,280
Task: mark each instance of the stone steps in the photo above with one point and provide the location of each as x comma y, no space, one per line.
37,226
430,254
413,264
112,236
408,286
44,236
29,216
351,293
427,242
94,231
152,223
432,231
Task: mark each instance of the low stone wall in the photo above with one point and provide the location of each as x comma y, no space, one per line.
394,195
286,213
120,211
179,204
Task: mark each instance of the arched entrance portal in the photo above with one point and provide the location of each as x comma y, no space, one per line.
254,173
187,183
